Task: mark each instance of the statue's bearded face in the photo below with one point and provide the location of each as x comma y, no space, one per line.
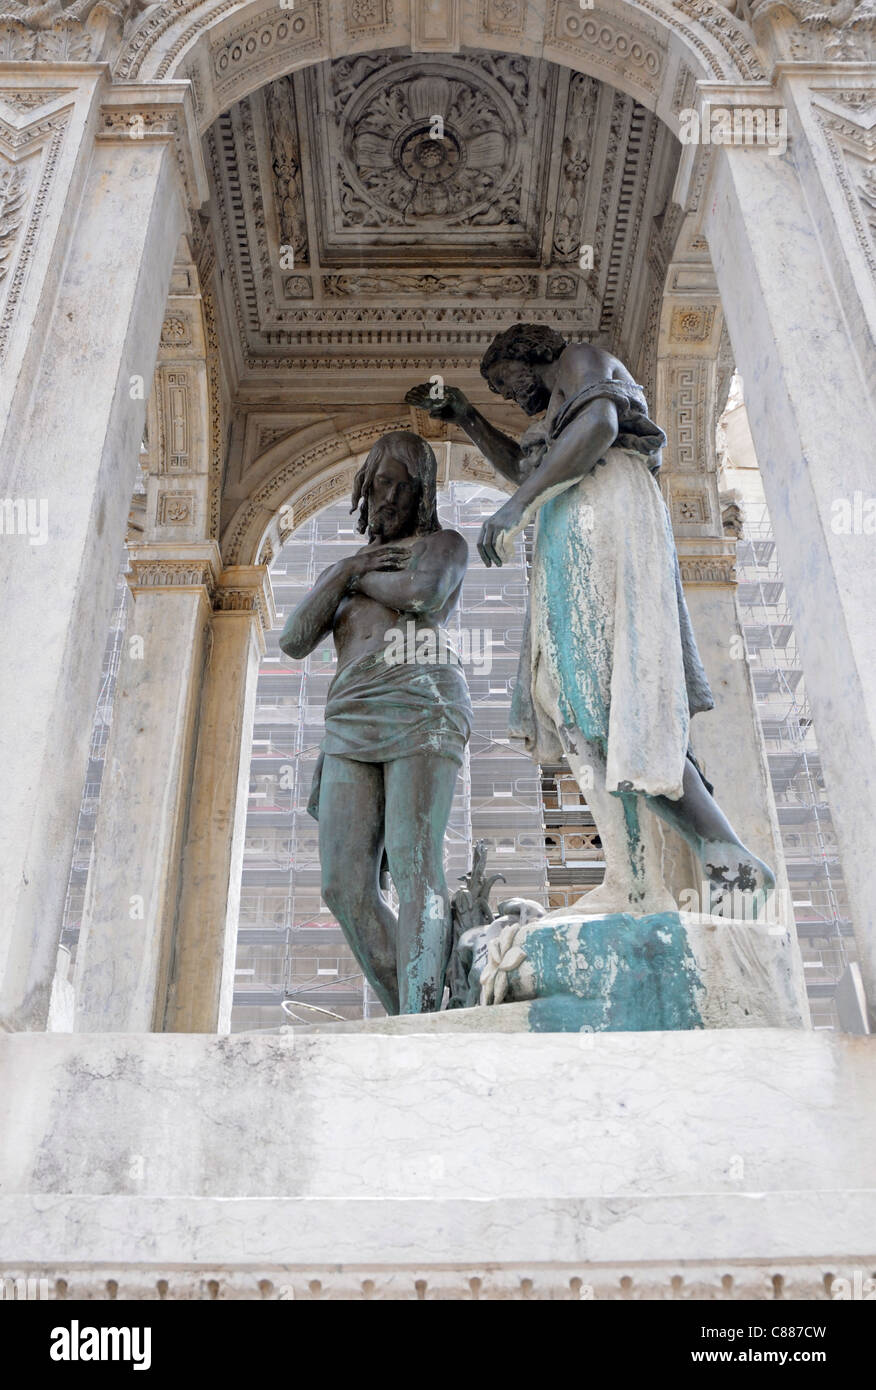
393,501
516,381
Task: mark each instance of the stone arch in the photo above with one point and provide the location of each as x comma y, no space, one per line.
654,50
305,477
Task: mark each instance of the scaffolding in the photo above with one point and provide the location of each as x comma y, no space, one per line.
76,883
818,893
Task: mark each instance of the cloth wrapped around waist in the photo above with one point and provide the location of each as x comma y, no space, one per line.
378,710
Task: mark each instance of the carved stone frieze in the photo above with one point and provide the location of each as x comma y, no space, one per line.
473,285
717,41
151,571
28,162
850,136
51,31
753,1279
410,173
842,29
617,45
733,36
174,454
575,167
286,166
428,426
214,399
298,287
708,569
246,589
323,493
472,465
561,286
367,17
340,363
13,211
24,99
148,34
861,101
617,255
258,46
687,384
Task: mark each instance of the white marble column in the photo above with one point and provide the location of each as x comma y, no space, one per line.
84,340
202,979
794,265
125,942
727,741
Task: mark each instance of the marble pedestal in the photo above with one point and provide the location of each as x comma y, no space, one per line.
638,974
699,1164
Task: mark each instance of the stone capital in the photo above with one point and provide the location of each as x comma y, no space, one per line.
174,565
151,111
707,562
247,589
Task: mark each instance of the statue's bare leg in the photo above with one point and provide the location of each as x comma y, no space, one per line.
351,812
631,847
730,868
419,796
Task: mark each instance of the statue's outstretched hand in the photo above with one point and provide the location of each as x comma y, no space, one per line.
442,402
495,543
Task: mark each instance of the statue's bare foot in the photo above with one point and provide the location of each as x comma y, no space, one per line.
607,899
740,883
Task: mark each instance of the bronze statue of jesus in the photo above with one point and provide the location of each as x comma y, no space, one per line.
395,729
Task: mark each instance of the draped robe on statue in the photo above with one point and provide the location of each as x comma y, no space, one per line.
378,710
609,657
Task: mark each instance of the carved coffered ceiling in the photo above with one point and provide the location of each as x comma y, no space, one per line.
393,183
350,225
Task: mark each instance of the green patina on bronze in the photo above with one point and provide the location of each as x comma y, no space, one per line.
624,974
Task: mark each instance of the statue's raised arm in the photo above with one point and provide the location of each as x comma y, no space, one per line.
449,403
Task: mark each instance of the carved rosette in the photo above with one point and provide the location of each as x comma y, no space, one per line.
410,168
